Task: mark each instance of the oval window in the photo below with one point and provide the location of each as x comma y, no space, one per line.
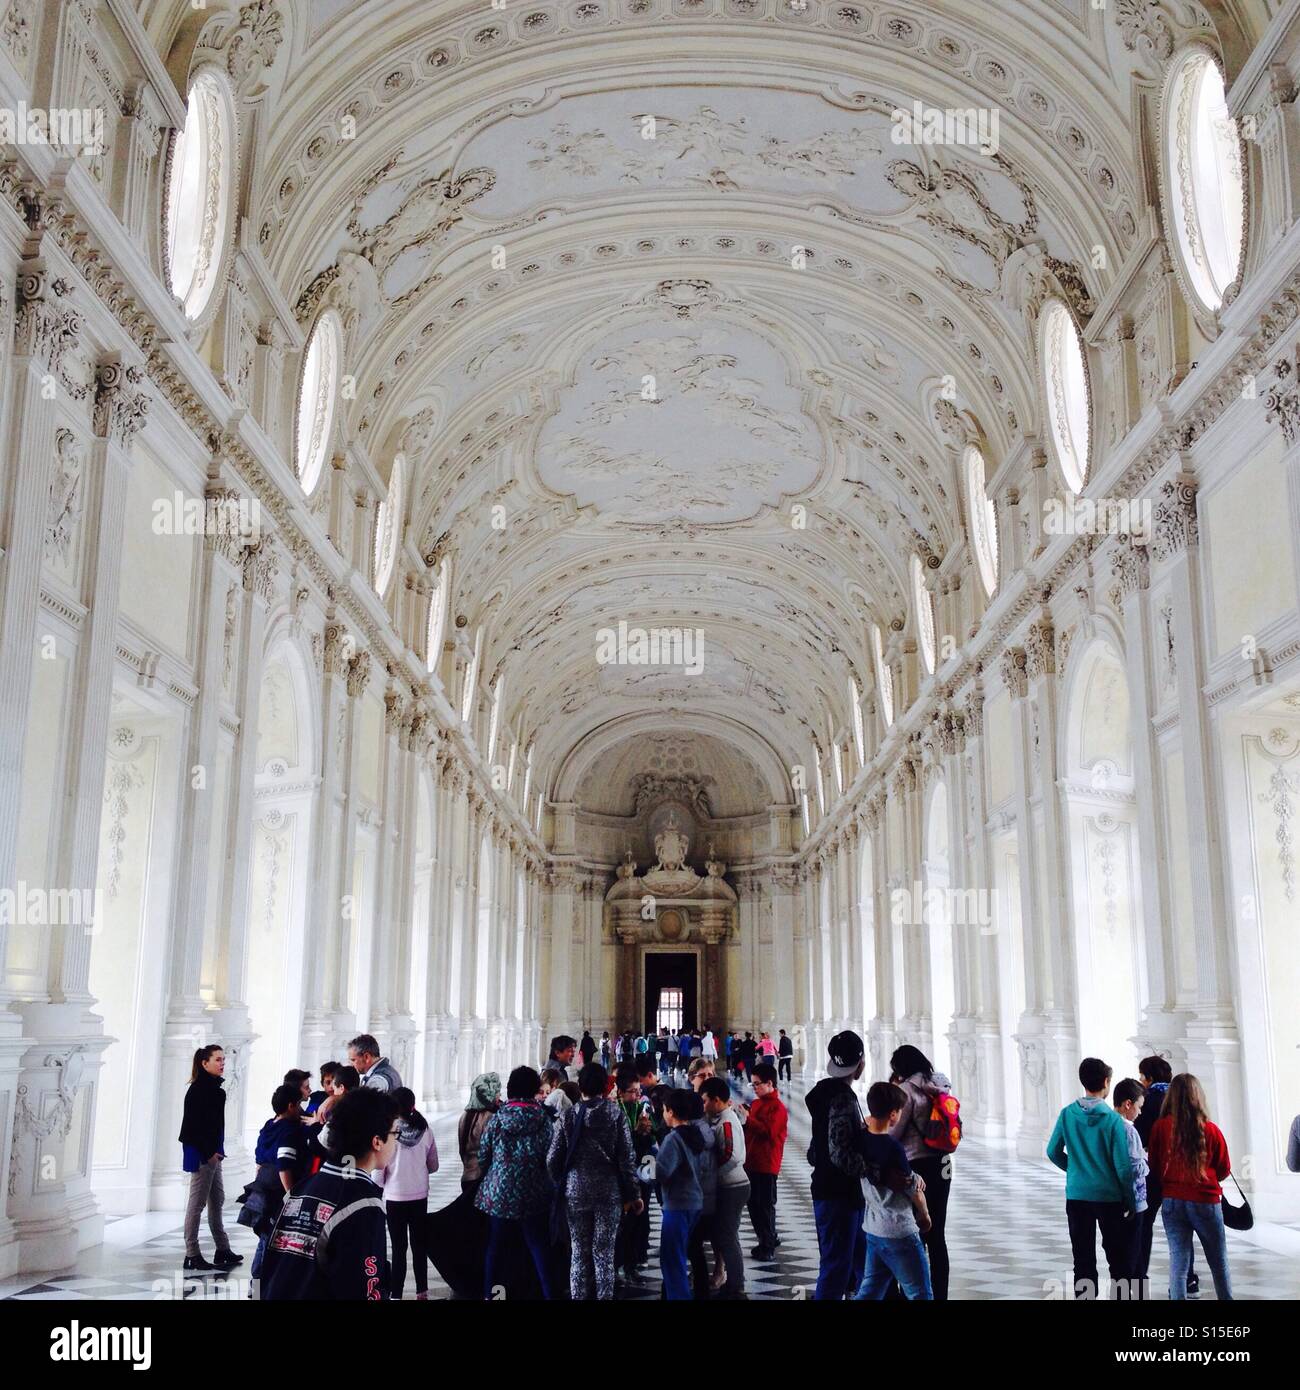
198,205
1205,186
983,520
317,391
924,614
1065,380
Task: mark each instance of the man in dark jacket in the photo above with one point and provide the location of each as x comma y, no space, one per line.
838,1165
375,1071
331,1239
784,1056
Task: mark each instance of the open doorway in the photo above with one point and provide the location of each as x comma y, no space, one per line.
671,988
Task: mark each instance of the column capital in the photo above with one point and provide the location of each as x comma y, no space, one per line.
48,324
358,675
261,566
1130,565
1040,648
121,403
973,712
1176,523
1012,667
1282,402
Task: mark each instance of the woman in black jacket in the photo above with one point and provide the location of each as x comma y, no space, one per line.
202,1136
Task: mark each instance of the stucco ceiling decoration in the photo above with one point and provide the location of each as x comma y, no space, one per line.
535,242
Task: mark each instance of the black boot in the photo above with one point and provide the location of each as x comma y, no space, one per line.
227,1259
196,1262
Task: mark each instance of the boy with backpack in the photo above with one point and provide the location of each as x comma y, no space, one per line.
896,1215
283,1158
1090,1146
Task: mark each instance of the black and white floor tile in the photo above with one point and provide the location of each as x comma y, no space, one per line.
1006,1238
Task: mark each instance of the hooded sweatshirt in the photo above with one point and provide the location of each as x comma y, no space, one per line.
677,1168
512,1157
1090,1145
910,1129
406,1179
835,1153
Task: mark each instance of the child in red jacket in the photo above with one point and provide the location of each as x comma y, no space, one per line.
1189,1160
766,1122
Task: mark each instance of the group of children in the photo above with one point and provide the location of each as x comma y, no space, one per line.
1154,1148
672,1051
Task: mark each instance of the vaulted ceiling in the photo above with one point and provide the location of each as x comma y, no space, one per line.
574,231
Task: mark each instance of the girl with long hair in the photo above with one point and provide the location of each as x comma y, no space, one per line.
1189,1161
406,1193
202,1137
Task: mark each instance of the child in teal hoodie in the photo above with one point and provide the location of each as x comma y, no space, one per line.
1090,1145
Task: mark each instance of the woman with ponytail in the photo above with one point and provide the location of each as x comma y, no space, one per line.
406,1193
202,1136
1189,1160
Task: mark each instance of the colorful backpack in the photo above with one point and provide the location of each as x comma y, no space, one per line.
942,1131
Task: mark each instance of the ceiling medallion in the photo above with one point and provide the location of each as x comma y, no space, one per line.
686,298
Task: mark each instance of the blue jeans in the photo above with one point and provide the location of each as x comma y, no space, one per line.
902,1258
537,1236
674,1236
1206,1219
842,1244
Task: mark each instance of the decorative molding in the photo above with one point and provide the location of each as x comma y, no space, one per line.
63,511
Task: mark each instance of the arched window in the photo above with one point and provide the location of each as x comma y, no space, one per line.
494,719
983,520
859,733
1065,382
317,393
198,217
821,782
388,526
924,614
884,676
437,615
510,764
1205,192
528,778
471,678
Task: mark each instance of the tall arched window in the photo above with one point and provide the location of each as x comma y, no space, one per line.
437,615
528,778
471,679
1205,191
859,733
317,393
884,676
1065,384
388,526
494,719
983,520
198,217
924,614
821,782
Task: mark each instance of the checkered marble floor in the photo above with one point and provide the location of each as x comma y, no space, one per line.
1007,1239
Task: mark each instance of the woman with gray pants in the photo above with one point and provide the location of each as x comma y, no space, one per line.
202,1136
